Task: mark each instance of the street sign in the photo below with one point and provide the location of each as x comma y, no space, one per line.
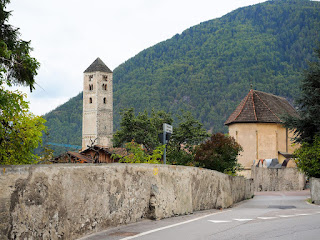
167,131
167,128
167,138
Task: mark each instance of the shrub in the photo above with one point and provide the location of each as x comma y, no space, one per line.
308,158
138,154
219,153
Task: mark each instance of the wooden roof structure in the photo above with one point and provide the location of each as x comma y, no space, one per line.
79,157
93,154
112,150
102,154
261,107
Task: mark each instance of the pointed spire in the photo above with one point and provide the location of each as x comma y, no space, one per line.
98,66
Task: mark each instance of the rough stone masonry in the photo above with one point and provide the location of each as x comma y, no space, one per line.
67,201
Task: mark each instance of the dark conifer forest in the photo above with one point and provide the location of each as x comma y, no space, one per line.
209,68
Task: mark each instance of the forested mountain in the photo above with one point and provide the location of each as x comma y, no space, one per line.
65,125
209,68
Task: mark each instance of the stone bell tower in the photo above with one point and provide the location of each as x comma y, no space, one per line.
97,122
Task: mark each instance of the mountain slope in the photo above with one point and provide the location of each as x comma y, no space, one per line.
209,68
65,125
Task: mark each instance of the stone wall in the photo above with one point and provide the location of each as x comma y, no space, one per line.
277,179
66,201
315,190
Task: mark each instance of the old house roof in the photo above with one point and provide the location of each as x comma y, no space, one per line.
112,150
261,107
98,66
80,156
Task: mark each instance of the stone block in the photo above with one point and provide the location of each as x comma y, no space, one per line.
315,190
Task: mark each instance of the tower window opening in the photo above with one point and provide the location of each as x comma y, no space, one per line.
90,87
105,77
104,86
90,100
90,77
104,100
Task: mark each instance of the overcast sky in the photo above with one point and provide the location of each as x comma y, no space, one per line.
68,35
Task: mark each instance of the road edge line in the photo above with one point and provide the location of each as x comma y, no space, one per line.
171,226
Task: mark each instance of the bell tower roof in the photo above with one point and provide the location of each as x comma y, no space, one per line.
98,66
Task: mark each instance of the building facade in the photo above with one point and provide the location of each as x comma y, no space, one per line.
97,124
256,125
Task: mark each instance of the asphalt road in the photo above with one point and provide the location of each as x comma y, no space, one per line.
269,215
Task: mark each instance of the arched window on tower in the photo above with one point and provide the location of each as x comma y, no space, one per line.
105,77
90,100
90,87
104,100
104,87
90,77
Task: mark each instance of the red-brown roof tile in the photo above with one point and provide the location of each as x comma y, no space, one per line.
261,107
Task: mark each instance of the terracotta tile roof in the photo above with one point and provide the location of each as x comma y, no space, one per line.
98,66
261,107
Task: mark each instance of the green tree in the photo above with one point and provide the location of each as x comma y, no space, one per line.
307,125
143,129
20,131
219,153
186,135
17,67
308,158
137,154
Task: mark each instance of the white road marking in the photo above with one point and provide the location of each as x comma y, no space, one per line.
214,221
286,216
219,221
173,225
304,214
266,218
242,219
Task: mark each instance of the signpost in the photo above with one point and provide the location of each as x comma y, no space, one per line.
167,131
167,128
